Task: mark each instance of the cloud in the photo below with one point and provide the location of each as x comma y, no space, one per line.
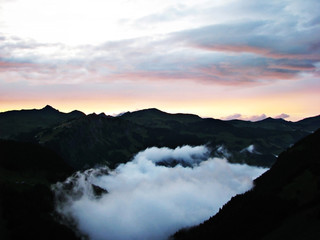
245,53
150,201
234,50
252,118
185,154
222,152
255,118
233,116
282,115
251,149
226,47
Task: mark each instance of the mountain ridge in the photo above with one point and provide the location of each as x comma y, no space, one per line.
156,110
79,141
18,122
113,140
284,204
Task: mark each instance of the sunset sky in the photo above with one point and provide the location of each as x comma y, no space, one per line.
225,59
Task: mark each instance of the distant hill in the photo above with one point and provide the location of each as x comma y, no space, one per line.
309,124
94,139
155,118
268,137
87,140
284,204
268,123
14,124
26,201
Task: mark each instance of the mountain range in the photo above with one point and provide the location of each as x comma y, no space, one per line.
84,141
40,147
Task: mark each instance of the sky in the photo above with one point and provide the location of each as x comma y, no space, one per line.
150,201
224,59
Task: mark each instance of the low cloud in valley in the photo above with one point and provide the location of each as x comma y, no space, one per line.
147,200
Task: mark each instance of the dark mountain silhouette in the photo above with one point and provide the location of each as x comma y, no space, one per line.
270,136
155,118
26,201
86,140
284,204
268,123
309,124
94,139
18,124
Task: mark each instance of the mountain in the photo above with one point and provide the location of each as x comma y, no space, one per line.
309,124
284,204
267,123
87,140
155,118
94,139
19,124
268,137
99,139
26,202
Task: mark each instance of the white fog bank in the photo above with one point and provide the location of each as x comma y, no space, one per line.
150,201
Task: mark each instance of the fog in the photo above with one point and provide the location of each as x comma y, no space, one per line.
251,149
145,200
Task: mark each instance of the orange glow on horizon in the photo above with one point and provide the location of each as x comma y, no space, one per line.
216,108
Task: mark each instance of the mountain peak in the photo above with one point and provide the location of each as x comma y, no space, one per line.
151,110
270,119
145,112
49,108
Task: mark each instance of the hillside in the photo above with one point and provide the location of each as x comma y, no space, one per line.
19,124
87,140
26,200
255,143
99,139
285,203
155,118
94,139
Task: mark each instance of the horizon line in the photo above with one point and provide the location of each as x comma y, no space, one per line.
244,117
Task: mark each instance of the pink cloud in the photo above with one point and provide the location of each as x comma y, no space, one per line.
223,74
282,115
232,117
6,66
235,75
256,50
255,118
239,116
293,67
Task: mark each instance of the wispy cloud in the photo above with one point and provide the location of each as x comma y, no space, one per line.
229,45
253,118
282,115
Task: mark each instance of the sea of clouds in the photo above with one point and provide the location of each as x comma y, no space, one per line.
143,199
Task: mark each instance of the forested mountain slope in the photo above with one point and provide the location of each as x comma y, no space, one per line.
284,204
